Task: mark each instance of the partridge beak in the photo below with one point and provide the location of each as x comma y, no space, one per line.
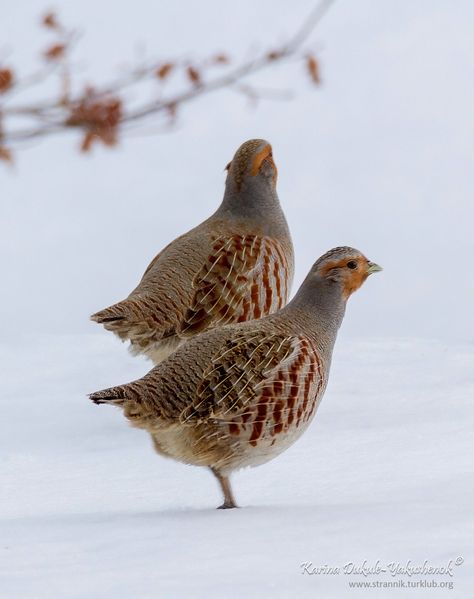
372,267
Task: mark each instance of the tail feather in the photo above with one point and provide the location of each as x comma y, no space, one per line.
126,319
149,331
101,319
117,312
142,412
114,395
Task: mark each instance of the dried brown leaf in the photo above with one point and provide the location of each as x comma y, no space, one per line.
274,55
55,52
99,117
108,135
6,155
6,80
98,112
313,69
50,21
221,59
193,75
87,141
164,70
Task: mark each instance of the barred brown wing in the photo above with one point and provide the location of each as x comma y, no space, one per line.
260,385
245,277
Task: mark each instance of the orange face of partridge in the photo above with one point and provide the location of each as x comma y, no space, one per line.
264,157
251,159
352,271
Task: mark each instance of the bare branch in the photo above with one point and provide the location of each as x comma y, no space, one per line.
101,112
308,26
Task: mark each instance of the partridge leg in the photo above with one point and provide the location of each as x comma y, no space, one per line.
224,482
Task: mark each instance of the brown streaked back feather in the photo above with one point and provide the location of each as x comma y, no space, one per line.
245,277
259,385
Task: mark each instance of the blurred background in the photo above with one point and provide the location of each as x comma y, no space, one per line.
379,156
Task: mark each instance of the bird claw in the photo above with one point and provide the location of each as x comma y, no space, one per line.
227,506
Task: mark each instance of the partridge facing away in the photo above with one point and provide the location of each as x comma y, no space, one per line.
235,266
240,395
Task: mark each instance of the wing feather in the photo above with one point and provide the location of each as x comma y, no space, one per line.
245,277
259,384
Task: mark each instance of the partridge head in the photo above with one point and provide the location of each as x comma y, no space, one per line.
235,266
241,394
252,168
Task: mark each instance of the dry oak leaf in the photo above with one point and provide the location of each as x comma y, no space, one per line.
55,52
6,155
313,69
221,59
50,20
6,80
164,70
193,75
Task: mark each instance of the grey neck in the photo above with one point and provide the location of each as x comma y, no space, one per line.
319,306
256,201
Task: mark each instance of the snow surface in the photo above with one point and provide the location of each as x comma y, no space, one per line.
88,510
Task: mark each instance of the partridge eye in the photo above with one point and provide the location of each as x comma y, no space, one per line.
352,264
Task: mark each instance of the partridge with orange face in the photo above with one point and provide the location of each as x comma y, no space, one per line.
235,266
241,394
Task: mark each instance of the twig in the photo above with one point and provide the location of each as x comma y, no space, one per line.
100,112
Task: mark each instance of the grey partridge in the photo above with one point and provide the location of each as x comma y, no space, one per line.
235,266
241,394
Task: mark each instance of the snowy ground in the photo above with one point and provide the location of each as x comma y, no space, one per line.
88,510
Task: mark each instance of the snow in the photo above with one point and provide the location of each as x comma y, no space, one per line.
88,510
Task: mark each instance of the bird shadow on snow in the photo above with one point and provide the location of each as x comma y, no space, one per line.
180,515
